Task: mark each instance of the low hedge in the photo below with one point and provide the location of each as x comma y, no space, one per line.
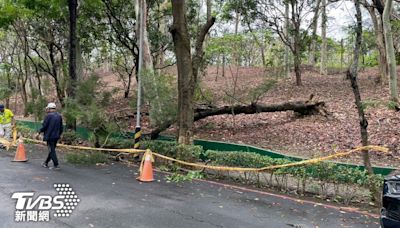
323,171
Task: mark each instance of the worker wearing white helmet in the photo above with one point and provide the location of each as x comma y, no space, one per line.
52,129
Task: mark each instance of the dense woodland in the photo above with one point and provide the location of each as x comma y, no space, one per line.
284,68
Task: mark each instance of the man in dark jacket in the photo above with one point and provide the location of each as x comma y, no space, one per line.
52,128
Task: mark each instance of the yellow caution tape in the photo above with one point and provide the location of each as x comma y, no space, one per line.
88,148
148,153
305,162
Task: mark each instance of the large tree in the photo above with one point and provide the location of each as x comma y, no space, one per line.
390,56
188,67
352,73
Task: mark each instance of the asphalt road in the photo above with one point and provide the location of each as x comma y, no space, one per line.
111,197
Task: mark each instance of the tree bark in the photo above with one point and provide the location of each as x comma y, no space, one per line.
72,66
180,35
301,107
324,46
209,9
391,58
296,41
311,58
72,7
287,49
353,71
187,68
380,43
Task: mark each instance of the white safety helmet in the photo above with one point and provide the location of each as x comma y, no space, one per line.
51,105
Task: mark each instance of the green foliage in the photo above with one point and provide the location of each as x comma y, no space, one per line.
37,107
88,158
163,147
188,152
371,59
392,105
178,178
88,109
118,143
258,92
70,138
160,91
370,103
203,95
325,172
25,131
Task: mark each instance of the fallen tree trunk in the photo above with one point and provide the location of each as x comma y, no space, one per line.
300,107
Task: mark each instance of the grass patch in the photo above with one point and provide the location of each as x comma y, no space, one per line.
92,158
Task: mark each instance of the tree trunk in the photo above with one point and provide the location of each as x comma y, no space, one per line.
324,46
188,67
54,73
380,43
296,42
311,58
209,9
391,58
287,49
72,6
353,78
180,35
72,66
301,107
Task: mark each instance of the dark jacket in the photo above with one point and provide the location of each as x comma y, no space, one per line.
52,127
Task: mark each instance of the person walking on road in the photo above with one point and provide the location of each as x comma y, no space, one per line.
6,122
52,129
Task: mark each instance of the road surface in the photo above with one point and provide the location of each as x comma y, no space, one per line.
111,197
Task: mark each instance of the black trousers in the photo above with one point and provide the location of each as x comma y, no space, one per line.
51,144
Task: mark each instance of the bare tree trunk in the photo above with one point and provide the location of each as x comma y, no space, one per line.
324,46
361,115
162,29
296,42
341,54
380,43
209,9
72,83
260,45
311,58
287,50
391,58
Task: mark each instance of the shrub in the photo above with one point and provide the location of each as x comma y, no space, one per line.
118,143
90,158
326,172
70,138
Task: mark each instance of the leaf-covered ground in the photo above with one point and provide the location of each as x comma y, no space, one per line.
307,136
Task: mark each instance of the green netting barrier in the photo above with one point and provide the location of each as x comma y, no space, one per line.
217,146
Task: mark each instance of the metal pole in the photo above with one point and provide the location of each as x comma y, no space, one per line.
138,132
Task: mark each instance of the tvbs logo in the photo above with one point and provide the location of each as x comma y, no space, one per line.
37,209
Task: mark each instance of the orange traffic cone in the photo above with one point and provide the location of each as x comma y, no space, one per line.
20,155
146,168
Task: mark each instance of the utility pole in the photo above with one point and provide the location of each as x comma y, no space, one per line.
138,130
